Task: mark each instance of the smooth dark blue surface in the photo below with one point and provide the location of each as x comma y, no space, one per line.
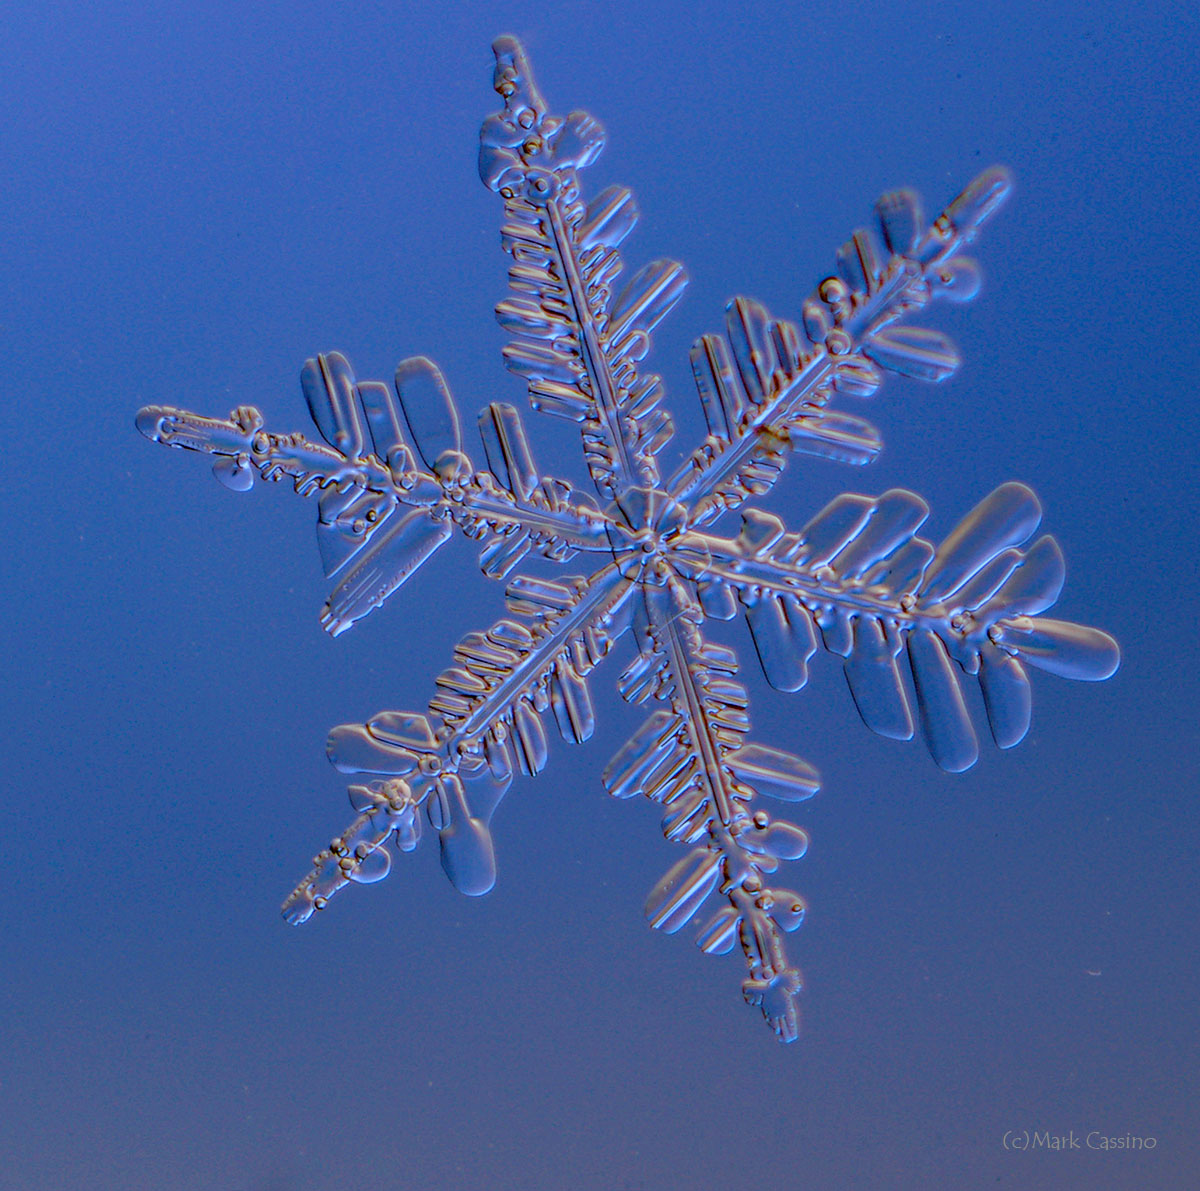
194,199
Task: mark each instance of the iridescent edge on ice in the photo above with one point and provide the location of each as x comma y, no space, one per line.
911,619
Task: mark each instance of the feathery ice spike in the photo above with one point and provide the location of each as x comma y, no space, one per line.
911,620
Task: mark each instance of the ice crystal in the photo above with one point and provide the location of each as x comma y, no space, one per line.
911,619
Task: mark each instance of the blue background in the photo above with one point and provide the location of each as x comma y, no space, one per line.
196,197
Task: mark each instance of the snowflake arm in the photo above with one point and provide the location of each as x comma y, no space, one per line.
577,344
858,579
484,723
766,387
393,479
693,760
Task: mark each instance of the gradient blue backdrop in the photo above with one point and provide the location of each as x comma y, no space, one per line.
194,198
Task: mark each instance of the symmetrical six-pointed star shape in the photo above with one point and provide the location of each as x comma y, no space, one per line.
912,620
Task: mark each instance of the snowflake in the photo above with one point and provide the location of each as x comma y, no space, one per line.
910,619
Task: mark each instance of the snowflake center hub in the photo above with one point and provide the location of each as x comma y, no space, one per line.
647,523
